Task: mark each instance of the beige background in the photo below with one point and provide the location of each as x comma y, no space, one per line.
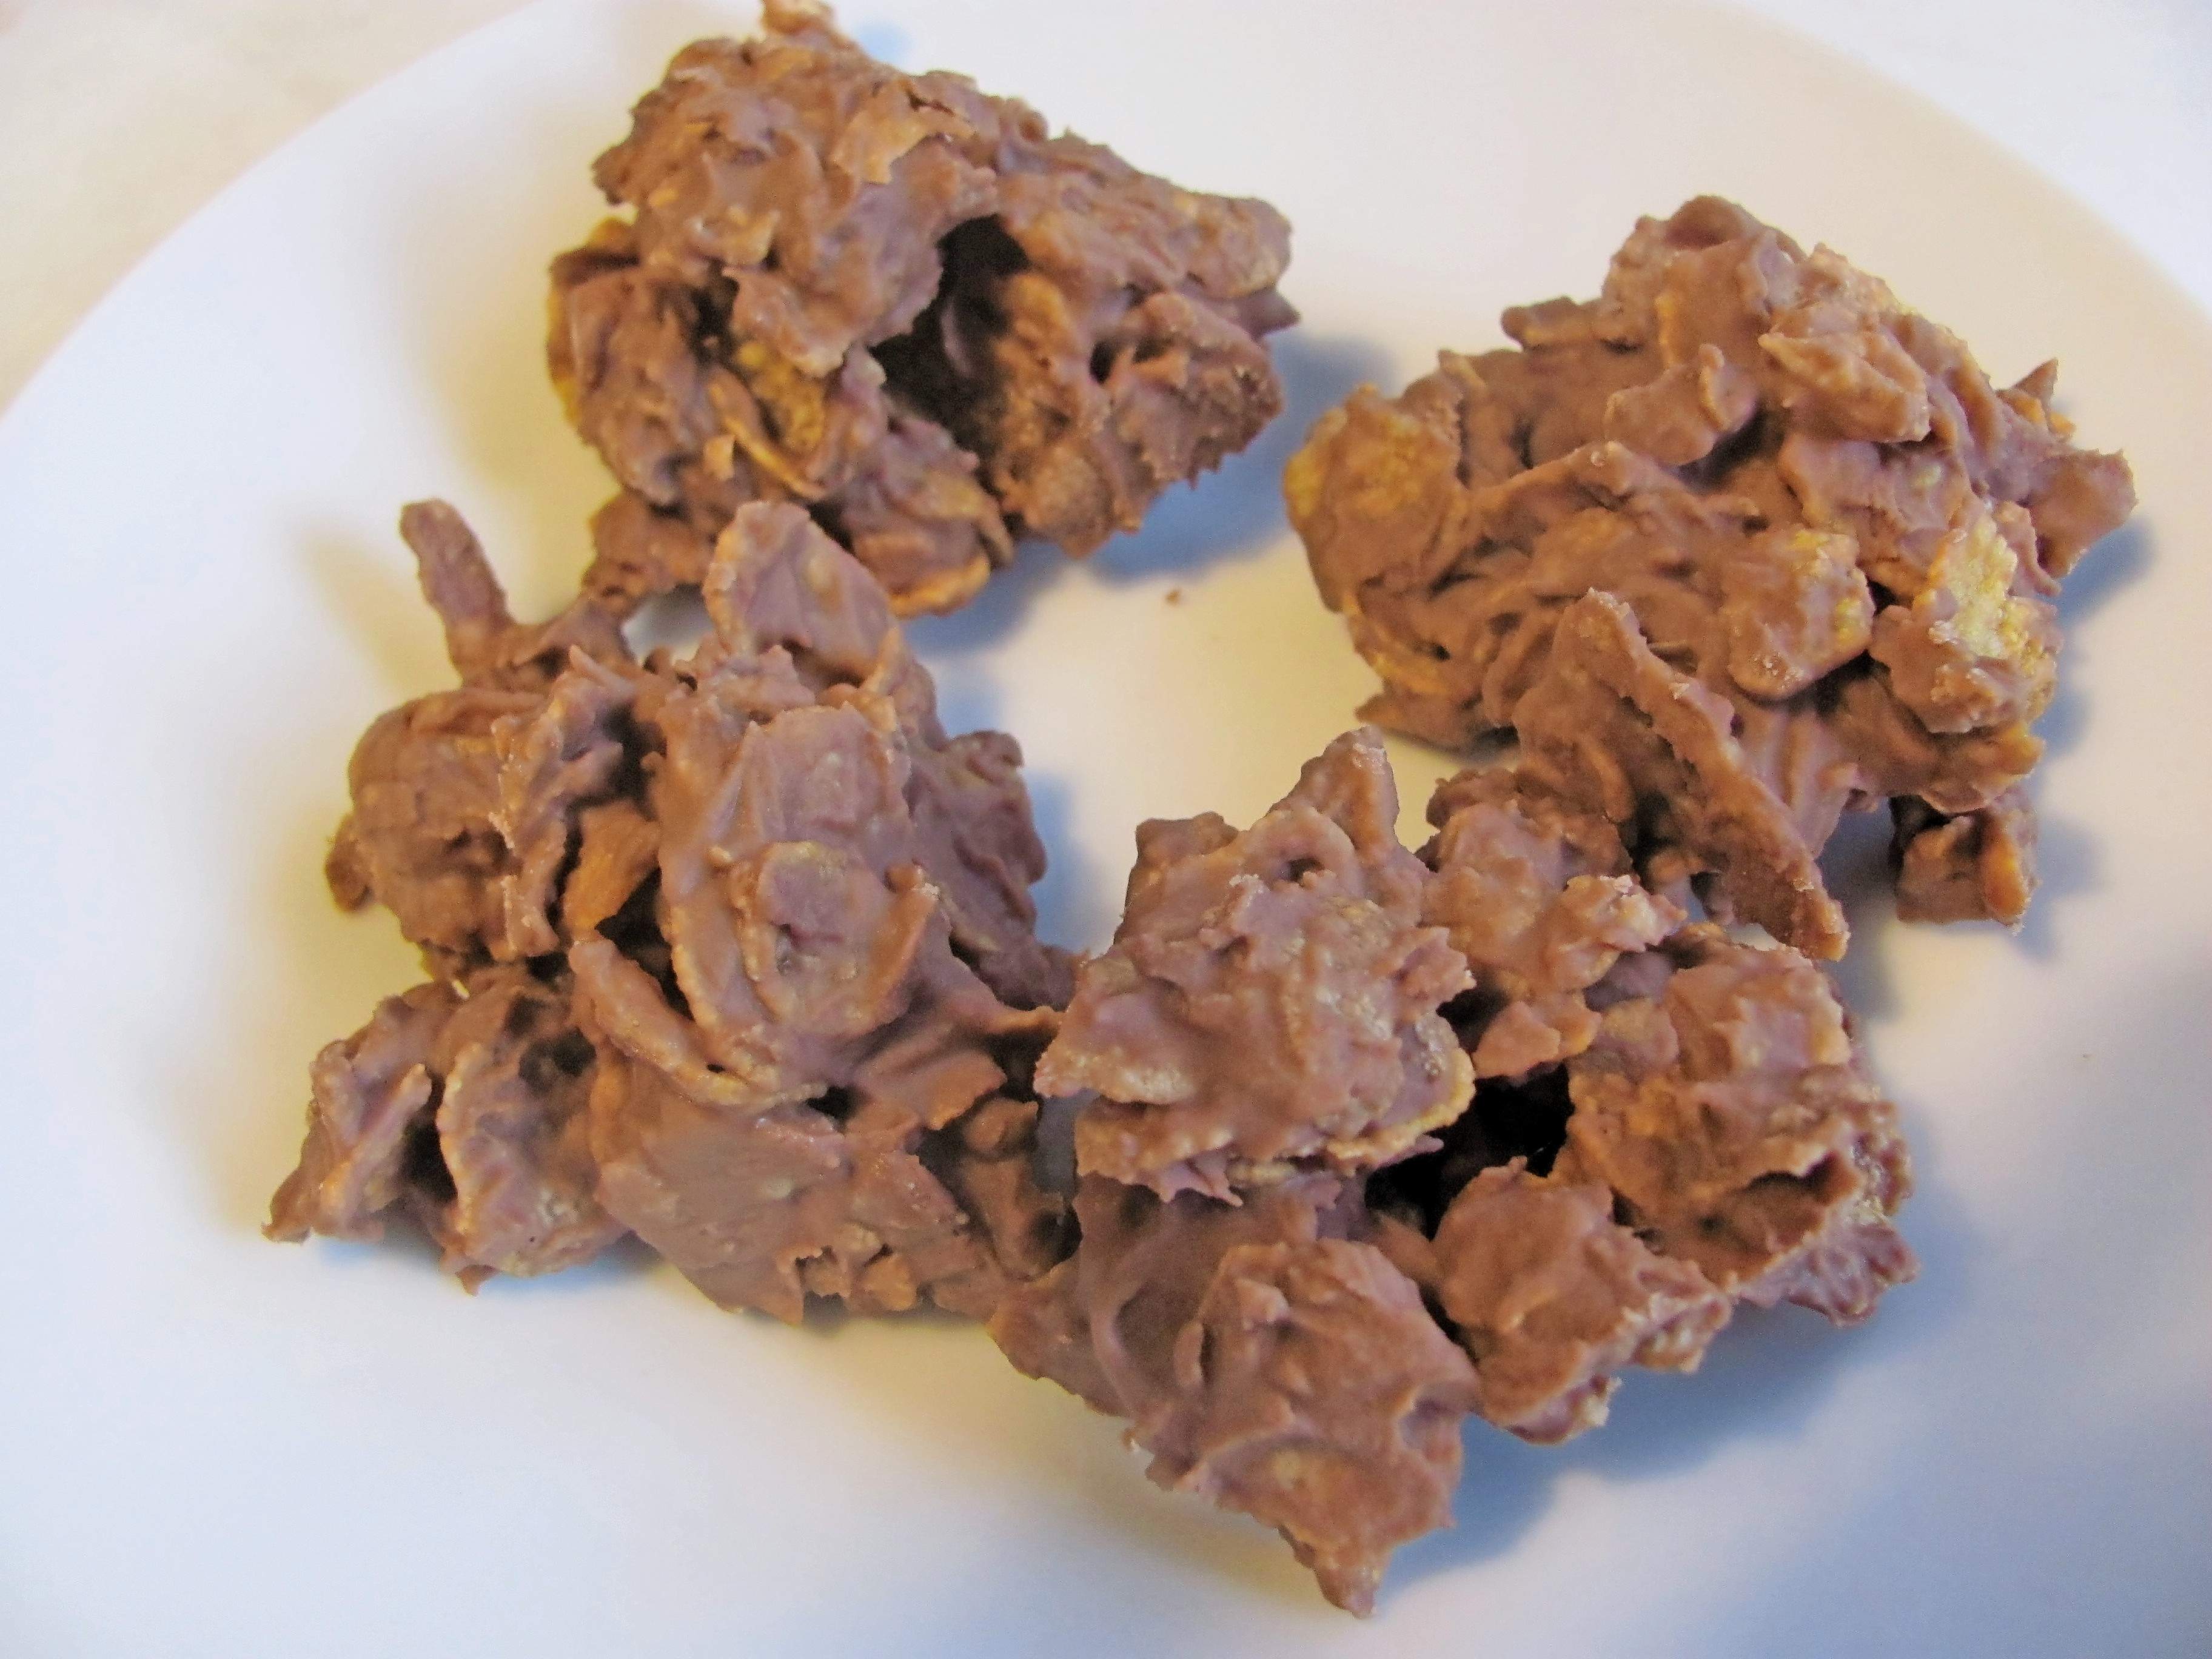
119,117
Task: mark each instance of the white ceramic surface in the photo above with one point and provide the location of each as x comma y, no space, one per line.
211,1445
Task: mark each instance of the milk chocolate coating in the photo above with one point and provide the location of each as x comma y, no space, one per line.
1269,1001
1737,546
904,305
1663,1121
735,950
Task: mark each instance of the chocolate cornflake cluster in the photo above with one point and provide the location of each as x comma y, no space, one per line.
1737,546
1269,1001
734,951
905,306
1379,1140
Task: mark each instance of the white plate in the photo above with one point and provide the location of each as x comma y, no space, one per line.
208,1444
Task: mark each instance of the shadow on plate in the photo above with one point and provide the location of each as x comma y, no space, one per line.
2114,563
1855,865
1233,513
1063,896
2068,869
